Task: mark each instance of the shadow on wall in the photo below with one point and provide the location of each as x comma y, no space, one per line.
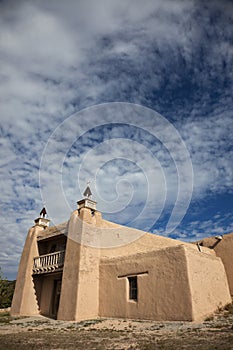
47,290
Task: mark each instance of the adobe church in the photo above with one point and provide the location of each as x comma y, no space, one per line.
89,267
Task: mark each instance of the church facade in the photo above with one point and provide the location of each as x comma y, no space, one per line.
89,267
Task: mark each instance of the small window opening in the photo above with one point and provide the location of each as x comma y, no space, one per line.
133,288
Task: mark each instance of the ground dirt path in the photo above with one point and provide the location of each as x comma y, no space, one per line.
43,333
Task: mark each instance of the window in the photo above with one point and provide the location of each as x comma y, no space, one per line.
133,288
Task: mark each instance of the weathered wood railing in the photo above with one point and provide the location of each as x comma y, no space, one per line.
48,262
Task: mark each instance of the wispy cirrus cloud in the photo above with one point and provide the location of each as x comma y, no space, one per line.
195,230
56,58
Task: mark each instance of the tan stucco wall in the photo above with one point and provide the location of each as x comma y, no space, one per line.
145,243
47,293
163,293
208,283
224,249
70,279
80,283
25,300
182,284
98,252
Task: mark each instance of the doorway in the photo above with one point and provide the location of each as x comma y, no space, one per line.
56,297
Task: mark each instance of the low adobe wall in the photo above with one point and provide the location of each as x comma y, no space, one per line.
174,284
224,249
163,288
208,283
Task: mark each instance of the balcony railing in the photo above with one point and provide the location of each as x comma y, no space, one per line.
48,262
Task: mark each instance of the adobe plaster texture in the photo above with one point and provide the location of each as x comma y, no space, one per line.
175,280
24,299
224,249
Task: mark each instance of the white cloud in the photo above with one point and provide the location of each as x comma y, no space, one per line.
208,141
198,230
58,57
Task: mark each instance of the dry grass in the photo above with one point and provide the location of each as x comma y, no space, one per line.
115,334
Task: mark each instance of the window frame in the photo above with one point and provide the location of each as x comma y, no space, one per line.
133,288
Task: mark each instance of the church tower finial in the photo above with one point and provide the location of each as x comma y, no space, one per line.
41,220
87,193
87,202
43,213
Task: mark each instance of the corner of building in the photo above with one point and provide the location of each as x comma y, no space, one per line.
207,282
162,284
24,300
222,245
80,282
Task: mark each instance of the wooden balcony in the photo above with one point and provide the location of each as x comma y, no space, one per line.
48,263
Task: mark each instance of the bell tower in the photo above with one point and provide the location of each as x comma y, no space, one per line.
80,281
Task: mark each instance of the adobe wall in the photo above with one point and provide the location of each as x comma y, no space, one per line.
208,283
93,284
163,293
24,301
47,290
83,296
181,283
80,282
224,249
46,295
121,240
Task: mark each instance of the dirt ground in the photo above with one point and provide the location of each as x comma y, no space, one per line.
44,333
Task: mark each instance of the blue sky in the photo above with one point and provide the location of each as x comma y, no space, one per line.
59,58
